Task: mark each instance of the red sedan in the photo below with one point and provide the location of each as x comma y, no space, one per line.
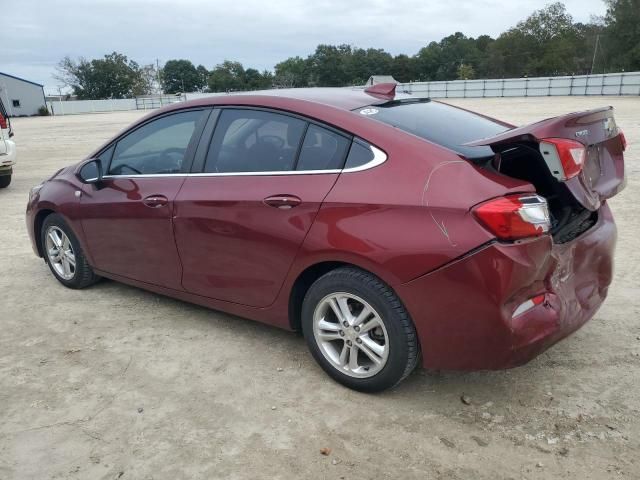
389,229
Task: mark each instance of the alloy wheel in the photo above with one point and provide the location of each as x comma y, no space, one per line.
60,253
351,335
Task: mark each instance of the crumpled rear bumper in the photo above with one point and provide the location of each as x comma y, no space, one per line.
463,312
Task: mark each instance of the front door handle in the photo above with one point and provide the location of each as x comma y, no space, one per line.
283,202
155,201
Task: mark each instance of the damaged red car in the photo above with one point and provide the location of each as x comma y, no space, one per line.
390,230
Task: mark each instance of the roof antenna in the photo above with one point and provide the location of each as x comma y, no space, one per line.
383,90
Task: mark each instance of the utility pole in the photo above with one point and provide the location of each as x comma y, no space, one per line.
595,51
158,76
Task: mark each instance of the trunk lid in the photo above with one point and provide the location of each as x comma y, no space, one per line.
601,175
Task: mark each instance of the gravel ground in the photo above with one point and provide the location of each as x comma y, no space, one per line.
117,383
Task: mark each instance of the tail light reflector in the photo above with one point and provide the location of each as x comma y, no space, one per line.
623,140
3,122
515,216
565,157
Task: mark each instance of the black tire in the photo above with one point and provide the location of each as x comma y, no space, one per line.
83,275
402,338
5,181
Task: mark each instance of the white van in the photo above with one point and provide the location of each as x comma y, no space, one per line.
7,148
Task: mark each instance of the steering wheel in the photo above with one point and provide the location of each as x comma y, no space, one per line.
134,170
171,159
274,140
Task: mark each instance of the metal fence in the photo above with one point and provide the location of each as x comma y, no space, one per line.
90,106
157,101
627,83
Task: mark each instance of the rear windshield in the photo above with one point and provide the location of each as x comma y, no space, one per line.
442,124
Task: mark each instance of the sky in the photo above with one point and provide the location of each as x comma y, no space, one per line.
36,34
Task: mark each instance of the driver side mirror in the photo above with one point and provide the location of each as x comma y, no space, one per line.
91,172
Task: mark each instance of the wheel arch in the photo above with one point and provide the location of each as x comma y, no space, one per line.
38,221
310,274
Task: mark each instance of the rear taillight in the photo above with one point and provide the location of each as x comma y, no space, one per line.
623,140
3,122
515,216
565,157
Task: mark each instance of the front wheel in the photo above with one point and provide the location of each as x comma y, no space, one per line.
63,254
5,181
358,330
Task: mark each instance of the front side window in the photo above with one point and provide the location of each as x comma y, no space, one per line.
254,141
159,147
322,150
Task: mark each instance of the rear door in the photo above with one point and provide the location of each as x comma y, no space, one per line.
583,149
240,222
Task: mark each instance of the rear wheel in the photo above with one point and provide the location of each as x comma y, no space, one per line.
358,330
5,181
63,254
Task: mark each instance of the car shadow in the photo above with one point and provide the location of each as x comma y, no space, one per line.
422,384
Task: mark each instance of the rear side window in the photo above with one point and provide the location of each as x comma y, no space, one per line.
254,141
359,154
322,150
158,147
439,123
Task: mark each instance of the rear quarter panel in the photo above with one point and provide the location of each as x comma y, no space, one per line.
408,216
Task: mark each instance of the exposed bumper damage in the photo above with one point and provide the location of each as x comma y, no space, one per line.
464,312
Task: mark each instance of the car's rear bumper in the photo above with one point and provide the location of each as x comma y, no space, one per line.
8,158
464,312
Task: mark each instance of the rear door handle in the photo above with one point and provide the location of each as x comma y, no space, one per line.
155,201
283,202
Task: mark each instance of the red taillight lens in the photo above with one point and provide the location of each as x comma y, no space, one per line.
623,140
515,216
565,157
3,122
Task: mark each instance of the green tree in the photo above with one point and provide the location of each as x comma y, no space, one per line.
360,64
545,43
293,72
254,80
180,76
114,76
203,77
403,68
621,39
440,61
466,72
328,66
227,77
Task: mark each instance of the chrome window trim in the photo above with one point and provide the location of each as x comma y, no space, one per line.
379,157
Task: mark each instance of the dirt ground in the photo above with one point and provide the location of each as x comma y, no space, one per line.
113,382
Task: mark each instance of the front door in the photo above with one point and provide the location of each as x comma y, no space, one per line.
240,223
127,217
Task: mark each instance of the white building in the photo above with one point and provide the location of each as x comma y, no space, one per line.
20,97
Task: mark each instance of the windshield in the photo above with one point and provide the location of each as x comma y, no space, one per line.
439,123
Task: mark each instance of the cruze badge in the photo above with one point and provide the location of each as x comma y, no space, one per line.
582,133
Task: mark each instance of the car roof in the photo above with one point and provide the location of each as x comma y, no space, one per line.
343,98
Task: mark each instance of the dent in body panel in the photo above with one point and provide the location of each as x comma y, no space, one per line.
425,198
